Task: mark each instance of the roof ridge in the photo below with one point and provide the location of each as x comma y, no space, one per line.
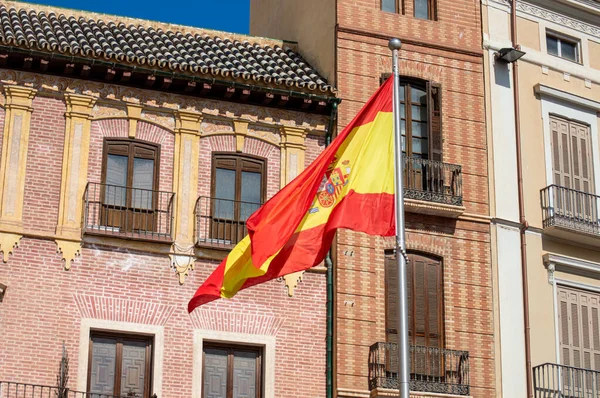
263,41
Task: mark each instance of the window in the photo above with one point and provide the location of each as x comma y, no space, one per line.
425,300
129,176
579,328
389,5
238,191
571,154
422,9
120,364
421,120
562,46
232,372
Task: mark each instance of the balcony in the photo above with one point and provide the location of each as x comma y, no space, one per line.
433,370
570,214
557,381
432,187
221,223
125,212
21,390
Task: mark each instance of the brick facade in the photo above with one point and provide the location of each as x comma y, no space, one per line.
448,52
129,282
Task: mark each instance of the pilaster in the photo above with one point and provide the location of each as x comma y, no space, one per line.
293,147
17,124
185,186
74,175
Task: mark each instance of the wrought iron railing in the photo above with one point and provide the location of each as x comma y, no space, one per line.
22,390
432,369
570,208
559,381
222,222
128,212
433,181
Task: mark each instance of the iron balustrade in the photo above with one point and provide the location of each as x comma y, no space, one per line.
434,370
222,222
557,381
23,390
570,208
128,212
432,181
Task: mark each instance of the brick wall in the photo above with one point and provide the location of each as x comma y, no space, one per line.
446,51
45,304
44,164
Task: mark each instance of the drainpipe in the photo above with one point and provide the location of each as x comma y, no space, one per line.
522,220
329,279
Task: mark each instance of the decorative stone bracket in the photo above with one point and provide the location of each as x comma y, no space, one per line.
182,260
7,243
292,280
69,250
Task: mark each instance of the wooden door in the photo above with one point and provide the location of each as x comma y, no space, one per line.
130,176
238,191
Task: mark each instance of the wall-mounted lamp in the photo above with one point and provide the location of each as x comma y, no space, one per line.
2,291
509,54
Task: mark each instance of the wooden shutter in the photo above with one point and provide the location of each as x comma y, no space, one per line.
425,300
434,106
391,299
581,157
579,329
561,164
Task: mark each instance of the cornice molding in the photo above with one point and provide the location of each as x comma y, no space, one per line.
551,16
570,264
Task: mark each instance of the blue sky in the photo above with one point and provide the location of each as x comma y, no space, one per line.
226,15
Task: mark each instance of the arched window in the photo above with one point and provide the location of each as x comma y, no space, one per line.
425,300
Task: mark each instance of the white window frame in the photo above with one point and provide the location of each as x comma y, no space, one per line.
267,343
89,324
560,37
560,103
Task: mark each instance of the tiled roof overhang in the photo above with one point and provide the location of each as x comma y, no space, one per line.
154,49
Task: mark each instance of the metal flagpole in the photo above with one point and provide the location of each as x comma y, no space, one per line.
403,348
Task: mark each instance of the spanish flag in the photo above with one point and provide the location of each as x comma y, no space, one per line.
350,185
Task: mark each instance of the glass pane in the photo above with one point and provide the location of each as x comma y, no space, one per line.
215,373
568,50
419,113
244,374
421,9
388,5
552,45
403,111
419,96
419,129
251,192
104,358
403,140
133,368
402,94
419,146
143,181
116,177
224,194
